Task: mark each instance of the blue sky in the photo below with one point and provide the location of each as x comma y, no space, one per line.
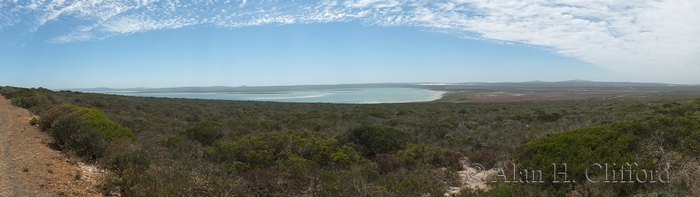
120,44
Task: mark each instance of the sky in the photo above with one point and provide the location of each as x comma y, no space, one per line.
64,44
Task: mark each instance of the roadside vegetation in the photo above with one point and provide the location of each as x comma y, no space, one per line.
189,147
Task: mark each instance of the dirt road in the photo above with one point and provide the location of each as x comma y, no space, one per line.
29,167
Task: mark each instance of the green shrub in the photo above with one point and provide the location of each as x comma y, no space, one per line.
169,181
267,149
50,116
379,139
25,102
174,142
419,156
33,121
294,166
101,123
547,117
607,143
126,156
5,91
691,144
346,156
91,117
264,182
424,156
417,183
15,92
355,181
69,133
617,142
206,132
129,165
21,97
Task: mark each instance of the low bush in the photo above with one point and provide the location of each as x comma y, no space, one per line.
486,157
417,183
33,121
14,92
387,162
89,116
615,143
50,116
124,156
174,142
379,139
691,144
70,134
173,181
419,156
101,123
268,149
264,182
424,156
23,97
206,132
25,102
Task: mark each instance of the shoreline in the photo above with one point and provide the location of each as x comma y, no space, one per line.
332,97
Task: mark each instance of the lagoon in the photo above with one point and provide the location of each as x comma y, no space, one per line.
358,95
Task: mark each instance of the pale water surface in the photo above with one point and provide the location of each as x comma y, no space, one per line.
363,95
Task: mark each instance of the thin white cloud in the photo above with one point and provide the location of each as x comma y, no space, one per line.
656,40
8,14
372,3
74,37
138,23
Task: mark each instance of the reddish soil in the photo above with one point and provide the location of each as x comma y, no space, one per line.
501,97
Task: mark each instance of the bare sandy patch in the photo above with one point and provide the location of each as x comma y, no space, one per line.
472,177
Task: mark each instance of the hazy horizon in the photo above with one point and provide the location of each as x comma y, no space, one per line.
411,83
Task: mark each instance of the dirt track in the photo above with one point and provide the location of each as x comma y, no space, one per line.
29,167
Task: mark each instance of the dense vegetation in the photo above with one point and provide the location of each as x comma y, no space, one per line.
186,147
628,145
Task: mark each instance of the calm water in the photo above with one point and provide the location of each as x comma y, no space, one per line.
365,95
